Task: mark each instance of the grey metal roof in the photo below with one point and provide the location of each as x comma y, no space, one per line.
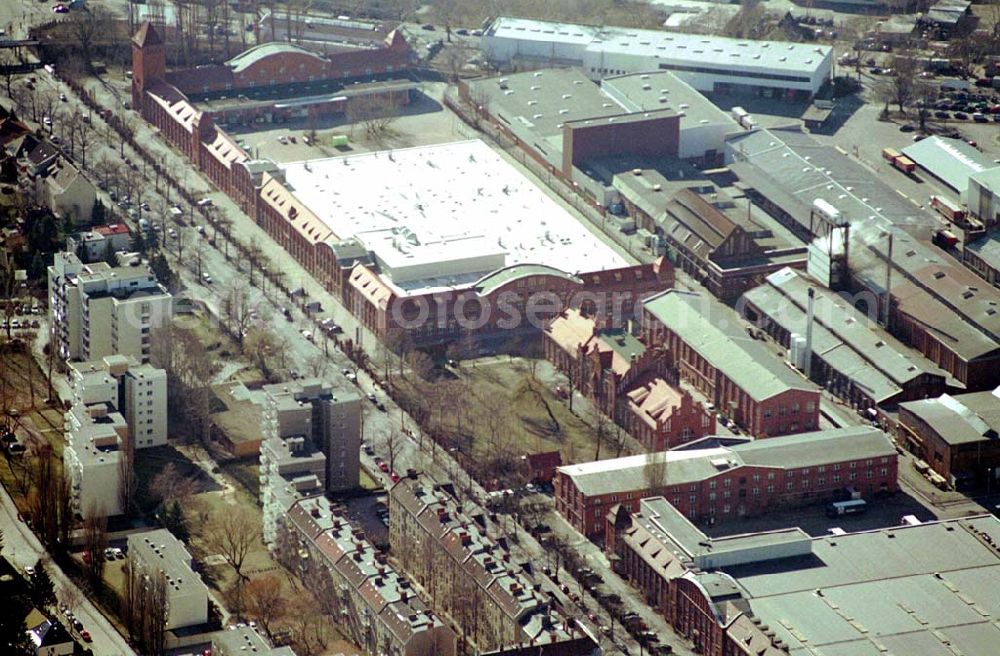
717,334
792,169
989,178
961,419
927,589
248,58
937,289
639,92
849,341
950,160
628,474
543,100
988,248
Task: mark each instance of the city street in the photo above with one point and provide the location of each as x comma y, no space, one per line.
22,548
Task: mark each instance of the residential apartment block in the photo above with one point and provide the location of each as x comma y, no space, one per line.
242,640
469,577
903,590
100,310
331,419
291,468
118,404
96,437
138,391
710,348
159,552
710,483
378,606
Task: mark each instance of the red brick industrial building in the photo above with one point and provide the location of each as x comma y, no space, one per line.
345,267
626,381
710,348
716,483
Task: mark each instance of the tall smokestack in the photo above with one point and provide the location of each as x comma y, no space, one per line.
886,300
809,332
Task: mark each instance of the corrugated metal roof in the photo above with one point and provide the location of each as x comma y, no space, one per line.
950,160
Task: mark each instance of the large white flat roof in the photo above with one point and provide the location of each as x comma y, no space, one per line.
712,51
443,216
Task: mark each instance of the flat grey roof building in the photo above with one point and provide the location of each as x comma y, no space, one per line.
928,589
704,61
644,92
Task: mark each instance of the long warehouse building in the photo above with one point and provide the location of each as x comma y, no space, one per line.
708,63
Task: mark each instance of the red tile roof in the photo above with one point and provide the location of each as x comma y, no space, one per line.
113,229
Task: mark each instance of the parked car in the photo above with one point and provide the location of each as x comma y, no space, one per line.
207,279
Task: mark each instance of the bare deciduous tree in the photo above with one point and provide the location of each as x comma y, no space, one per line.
238,311
87,26
654,473
95,541
143,605
233,535
170,484
265,602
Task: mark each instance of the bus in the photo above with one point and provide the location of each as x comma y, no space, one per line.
852,507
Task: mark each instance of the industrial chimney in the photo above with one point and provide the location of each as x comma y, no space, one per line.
809,332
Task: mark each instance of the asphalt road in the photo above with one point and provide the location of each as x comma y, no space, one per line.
22,548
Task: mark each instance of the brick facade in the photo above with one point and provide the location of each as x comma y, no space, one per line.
743,490
790,411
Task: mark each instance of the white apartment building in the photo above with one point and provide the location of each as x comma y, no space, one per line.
187,595
291,468
95,440
100,310
331,419
244,640
311,445
138,391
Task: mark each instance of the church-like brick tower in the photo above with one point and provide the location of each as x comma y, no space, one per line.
149,63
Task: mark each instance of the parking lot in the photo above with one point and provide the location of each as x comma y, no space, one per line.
423,122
